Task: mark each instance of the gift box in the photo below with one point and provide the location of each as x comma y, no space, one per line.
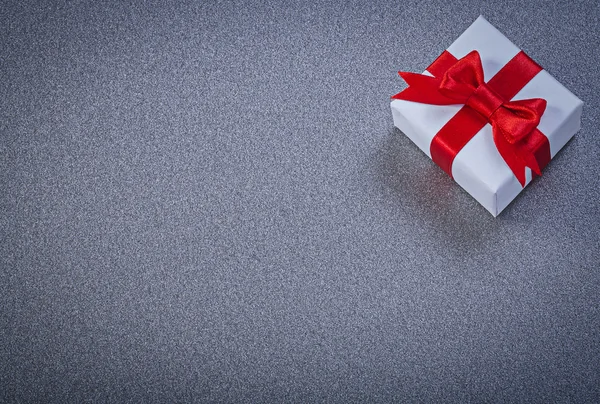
487,114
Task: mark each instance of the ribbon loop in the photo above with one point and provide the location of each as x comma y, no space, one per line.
517,119
463,77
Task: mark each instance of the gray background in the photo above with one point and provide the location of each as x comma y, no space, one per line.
209,202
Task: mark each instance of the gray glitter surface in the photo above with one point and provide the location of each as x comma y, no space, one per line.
208,202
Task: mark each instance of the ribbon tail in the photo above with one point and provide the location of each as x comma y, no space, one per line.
530,161
423,89
517,156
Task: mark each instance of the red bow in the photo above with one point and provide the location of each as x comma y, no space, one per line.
513,122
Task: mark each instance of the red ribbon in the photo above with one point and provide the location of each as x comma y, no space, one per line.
514,123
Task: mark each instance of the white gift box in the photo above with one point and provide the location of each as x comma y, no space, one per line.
478,167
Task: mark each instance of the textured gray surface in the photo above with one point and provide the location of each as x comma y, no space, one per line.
209,202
